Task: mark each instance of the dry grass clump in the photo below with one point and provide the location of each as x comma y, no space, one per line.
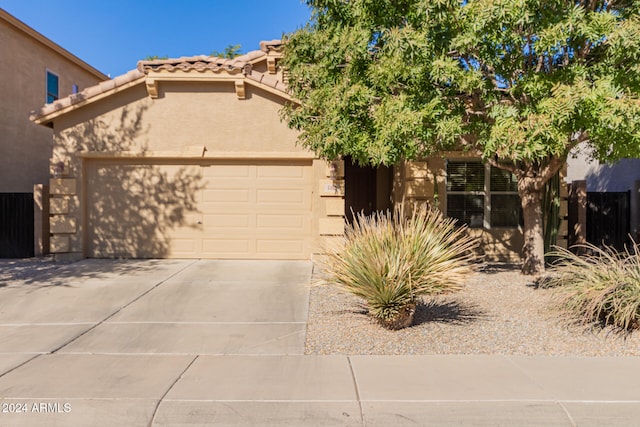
390,260
602,286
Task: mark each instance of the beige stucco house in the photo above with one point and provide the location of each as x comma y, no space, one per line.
188,158
33,71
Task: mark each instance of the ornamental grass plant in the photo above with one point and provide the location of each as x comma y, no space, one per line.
390,260
601,287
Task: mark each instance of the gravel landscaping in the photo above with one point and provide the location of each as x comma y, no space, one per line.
498,312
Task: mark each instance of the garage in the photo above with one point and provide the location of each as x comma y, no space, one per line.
243,209
188,158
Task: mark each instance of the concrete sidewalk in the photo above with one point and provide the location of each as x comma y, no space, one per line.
165,343
139,390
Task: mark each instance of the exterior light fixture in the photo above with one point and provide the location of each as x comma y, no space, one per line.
58,169
333,170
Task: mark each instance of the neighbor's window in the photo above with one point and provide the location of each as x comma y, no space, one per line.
482,196
52,87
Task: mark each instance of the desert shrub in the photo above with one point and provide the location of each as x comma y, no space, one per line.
601,286
390,260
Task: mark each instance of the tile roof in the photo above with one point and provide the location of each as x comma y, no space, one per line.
201,63
242,64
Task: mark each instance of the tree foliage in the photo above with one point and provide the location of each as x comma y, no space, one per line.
155,57
520,81
394,79
229,52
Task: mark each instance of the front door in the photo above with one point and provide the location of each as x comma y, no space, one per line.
367,189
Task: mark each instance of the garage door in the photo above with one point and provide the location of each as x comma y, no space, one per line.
242,210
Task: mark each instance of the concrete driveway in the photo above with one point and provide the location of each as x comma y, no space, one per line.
100,342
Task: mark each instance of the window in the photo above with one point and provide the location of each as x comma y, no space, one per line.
482,196
465,192
74,89
506,210
52,87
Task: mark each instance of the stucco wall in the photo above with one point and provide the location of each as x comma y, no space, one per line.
188,122
185,115
619,176
425,182
25,148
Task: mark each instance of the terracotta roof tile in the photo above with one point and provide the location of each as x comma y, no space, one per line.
202,63
250,56
271,45
241,64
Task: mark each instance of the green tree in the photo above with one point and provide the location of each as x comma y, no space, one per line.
521,82
229,52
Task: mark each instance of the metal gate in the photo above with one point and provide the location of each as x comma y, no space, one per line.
608,219
16,225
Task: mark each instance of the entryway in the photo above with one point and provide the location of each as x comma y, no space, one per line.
367,188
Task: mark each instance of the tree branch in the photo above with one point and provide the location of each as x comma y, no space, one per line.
540,63
548,171
505,166
488,72
575,141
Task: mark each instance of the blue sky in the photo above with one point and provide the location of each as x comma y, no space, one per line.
113,35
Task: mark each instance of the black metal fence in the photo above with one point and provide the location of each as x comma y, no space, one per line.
16,225
608,219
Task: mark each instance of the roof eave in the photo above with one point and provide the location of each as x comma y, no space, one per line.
80,101
198,68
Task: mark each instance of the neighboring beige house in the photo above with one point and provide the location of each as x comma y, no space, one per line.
33,71
188,158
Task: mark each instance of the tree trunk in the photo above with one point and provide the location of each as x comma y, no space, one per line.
533,249
532,178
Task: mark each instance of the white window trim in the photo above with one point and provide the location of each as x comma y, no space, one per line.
486,193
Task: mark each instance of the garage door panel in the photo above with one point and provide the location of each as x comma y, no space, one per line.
226,248
229,183
289,172
132,209
226,221
280,246
185,247
229,210
291,198
191,220
226,196
266,222
212,208
278,183
227,171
